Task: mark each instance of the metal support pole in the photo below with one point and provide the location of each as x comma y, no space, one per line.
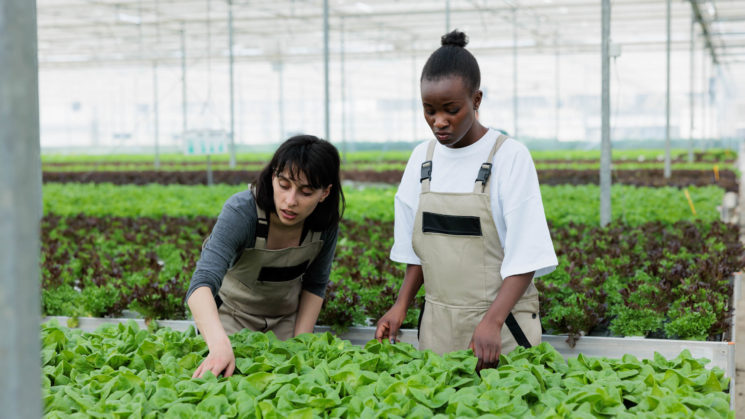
707,95
156,110
184,103
704,94
667,96
710,109
514,72
156,116
326,110
691,98
20,212
557,82
342,77
414,95
605,153
210,178
232,90
281,76
447,16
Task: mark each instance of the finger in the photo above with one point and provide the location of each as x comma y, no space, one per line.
380,331
489,359
480,353
198,372
393,333
471,347
216,370
230,369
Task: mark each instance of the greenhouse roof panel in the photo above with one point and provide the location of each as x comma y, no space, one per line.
131,31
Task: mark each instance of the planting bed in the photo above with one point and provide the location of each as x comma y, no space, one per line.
640,177
662,269
99,265
121,370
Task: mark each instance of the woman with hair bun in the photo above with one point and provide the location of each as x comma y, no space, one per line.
469,223
266,263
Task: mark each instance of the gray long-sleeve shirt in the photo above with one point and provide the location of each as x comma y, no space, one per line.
235,231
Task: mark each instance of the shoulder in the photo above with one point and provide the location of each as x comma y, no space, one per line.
419,153
242,203
513,149
513,154
416,158
330,233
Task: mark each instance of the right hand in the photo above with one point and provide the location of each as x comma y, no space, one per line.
389,325
221,359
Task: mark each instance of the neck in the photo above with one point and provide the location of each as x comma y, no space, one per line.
478,130
282,236
474,134
276,225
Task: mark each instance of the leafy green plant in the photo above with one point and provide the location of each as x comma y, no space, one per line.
120,370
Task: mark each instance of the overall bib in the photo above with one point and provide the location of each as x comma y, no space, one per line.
262,290
456,239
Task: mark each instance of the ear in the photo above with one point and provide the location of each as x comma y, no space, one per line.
477,95
325,193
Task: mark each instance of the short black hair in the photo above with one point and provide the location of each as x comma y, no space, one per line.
319,161
453,59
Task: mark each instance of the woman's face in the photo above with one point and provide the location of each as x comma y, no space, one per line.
450,110
295,199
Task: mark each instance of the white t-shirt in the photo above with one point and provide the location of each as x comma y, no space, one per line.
515,198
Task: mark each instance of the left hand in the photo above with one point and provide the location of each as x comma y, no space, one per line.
486,344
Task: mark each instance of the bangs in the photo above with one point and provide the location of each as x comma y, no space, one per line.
297,169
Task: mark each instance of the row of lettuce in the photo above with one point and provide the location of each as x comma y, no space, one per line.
122,371
661,269
712,155
376,166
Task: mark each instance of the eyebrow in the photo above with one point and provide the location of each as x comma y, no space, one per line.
452,102
279,175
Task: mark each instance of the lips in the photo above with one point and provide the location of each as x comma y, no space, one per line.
442,136
288,214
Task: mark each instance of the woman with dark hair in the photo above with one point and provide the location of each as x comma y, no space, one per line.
469,223
266,263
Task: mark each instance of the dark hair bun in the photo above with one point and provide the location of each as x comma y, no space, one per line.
455,38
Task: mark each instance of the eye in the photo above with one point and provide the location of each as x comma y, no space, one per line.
453,111
307,192
284,184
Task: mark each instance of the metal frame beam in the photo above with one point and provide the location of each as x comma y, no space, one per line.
705,30
20,212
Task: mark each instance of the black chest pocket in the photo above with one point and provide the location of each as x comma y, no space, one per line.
456,225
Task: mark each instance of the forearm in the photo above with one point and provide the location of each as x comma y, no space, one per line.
413,280
307,313
513,287
204,310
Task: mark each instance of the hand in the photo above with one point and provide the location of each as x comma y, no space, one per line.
390,323
220,359
486,343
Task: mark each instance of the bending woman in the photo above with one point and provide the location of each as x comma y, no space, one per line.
469,223
266,263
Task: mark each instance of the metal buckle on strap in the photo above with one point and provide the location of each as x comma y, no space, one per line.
484,173
262,228
426,170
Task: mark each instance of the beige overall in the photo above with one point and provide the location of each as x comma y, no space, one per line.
456,239
262,290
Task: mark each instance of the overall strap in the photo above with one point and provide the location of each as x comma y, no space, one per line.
310,236
517,331
262,228
482,180
427,167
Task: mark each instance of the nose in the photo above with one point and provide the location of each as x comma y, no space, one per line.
292,198
440,121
